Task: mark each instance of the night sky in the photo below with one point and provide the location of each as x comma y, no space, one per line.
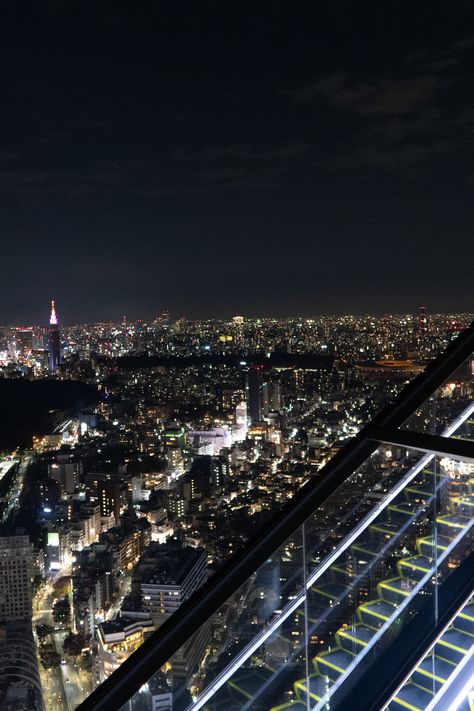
221,158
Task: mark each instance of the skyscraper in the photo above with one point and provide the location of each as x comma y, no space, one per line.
271,397
54,343
166,576
24,340
20,686
254,393
422,325
16,560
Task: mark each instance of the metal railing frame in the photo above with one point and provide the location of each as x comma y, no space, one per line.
115,691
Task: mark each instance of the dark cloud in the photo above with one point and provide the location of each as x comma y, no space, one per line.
464,44
383,97
408,158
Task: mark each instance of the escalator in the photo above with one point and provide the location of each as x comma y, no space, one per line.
408,575
362,553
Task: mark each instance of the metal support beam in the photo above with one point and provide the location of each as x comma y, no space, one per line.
196,610
422,442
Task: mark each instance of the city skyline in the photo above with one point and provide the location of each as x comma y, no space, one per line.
157,315
220,163
237,356
137,458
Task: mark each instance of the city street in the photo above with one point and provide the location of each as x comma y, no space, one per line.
124,589
76,683
64,687
14,494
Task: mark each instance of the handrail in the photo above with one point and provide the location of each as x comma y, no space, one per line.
395,664
199,607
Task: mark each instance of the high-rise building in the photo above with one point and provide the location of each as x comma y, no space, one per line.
16,561
168,574
271,397
112,497
174,436
67,474
422,323
20,686
54,341
254,393
24,340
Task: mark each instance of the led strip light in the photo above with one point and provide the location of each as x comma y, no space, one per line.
293,605
453,676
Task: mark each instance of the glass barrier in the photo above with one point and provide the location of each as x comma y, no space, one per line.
445,405
442,671
326,604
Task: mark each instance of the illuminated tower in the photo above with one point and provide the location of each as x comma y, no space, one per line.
422,323
54,343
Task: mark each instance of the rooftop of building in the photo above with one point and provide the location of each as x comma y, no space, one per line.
168,564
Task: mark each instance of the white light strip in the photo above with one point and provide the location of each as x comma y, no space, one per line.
446,433
294,604
298,600
425,654
394,616
458,421
451,680
468,686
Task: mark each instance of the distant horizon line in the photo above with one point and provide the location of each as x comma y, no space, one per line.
229,319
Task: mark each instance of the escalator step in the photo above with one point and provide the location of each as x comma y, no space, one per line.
355,637
426,545
394,590
420,492
375,612
318,686
453,645
410,697
333,663
452,524
403,509
385,528
367,547
465,620
248,681
464,505
329,591
414,567
432,670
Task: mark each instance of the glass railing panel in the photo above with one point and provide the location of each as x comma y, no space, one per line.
394,568
296,637
447,403
443,683
264,639
297,633
235,636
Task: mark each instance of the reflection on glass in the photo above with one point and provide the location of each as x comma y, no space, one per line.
446,404
335,595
